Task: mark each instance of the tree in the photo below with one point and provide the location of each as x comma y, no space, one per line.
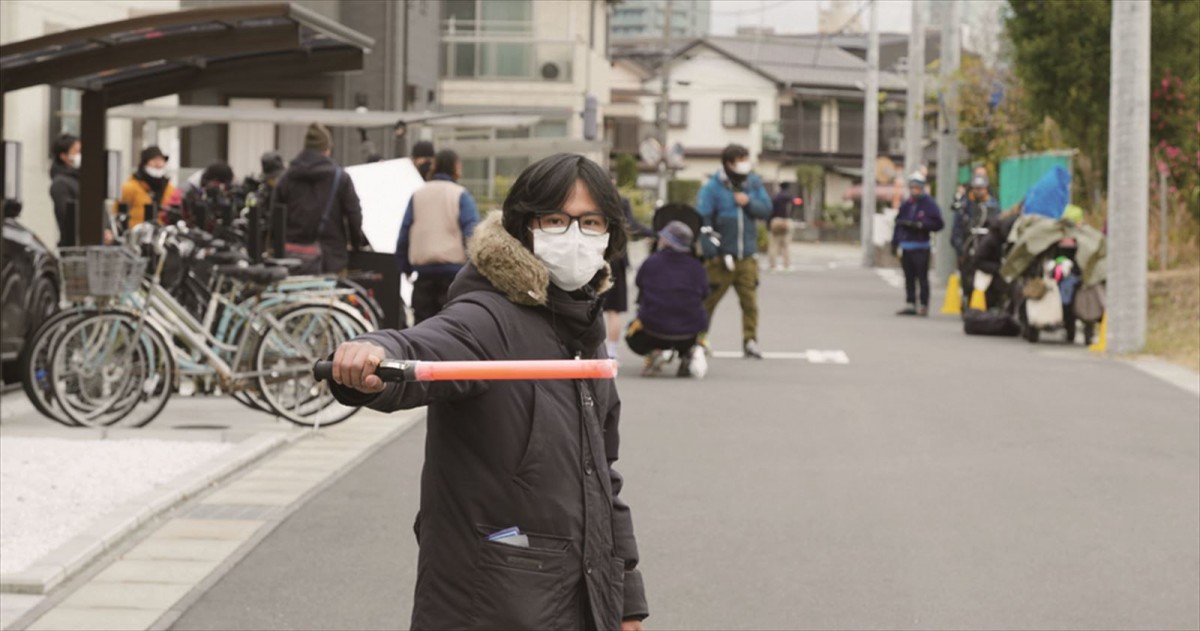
1060,51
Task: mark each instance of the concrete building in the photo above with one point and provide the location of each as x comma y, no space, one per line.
789,100
634,19
521,59
401,73
35,116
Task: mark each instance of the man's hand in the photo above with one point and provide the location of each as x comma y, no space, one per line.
354,365
741,198
108,237
632,625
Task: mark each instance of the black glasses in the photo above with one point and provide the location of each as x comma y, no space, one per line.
557,222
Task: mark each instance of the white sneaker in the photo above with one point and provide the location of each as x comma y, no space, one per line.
699,364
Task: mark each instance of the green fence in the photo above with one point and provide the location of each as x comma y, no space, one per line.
1019,173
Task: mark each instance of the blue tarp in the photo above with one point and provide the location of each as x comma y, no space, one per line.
1050,195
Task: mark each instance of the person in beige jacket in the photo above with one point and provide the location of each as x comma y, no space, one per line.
441,216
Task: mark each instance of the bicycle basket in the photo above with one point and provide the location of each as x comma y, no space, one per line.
100,271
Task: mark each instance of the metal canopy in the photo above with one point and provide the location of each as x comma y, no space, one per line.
183,115
156,55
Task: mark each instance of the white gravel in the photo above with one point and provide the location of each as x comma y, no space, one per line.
52,489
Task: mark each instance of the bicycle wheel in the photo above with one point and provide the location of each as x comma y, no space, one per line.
285,357
111,370
34,362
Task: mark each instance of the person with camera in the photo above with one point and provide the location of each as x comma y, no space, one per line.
732,202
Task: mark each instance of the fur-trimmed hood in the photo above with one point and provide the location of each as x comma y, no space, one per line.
511,268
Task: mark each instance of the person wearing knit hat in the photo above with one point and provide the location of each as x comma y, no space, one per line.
423,156
324,218
318,138
672,285
148,190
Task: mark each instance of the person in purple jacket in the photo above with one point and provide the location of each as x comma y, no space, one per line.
672,285
918,217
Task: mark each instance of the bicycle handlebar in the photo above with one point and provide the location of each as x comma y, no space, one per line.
399,371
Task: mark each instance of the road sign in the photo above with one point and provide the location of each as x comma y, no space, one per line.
651,150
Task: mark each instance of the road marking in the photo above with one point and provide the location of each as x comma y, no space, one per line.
891,276
811,356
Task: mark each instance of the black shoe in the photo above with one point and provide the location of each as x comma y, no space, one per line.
685,366
908,310
750,350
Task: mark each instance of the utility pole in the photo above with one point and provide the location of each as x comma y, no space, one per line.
947,167
1128,175
870,135
914,122
664,102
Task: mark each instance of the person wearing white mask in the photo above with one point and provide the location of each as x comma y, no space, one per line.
534,456
67,154
732,203
148,186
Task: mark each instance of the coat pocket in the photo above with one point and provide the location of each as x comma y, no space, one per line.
529,468
524,588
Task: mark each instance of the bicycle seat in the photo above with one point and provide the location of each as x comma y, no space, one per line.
289,264
254,274
224,258
199,237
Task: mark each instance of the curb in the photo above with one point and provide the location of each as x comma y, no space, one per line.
77,553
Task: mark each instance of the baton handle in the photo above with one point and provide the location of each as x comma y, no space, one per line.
398,371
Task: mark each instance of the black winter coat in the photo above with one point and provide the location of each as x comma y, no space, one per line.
532,454
64,190
304,188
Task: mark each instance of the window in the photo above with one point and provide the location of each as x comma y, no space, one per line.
64,112
677,114
737,113
829,126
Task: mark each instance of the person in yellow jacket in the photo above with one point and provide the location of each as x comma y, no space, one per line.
148,185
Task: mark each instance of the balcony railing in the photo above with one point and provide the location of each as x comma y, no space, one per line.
806,136
511,61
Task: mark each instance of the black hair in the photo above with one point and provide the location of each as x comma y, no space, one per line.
62,145
545,186
217,172
733,152
783,186
445,162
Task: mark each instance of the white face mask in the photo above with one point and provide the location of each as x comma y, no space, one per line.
742,168
76,160
155,172
572,257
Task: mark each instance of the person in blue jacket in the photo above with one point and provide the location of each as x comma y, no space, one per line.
732,203
441,216
918,217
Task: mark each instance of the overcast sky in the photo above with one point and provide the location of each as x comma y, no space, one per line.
798,16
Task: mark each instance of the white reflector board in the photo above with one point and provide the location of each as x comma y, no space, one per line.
384,189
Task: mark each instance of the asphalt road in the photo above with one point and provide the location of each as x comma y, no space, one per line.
934,481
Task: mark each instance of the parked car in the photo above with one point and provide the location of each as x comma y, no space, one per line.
29,282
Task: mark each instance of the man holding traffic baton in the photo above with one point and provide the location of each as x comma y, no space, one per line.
521,523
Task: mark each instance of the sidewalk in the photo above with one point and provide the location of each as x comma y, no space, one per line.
70,496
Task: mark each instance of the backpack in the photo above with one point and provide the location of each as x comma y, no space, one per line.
309,254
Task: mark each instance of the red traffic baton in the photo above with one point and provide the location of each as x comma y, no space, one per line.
394,370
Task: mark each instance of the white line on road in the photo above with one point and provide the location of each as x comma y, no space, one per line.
811,356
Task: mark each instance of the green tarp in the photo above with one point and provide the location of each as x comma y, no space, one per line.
1019,173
